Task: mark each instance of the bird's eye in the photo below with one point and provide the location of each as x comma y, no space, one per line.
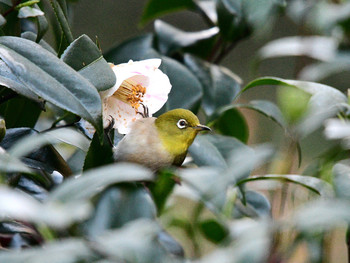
182,124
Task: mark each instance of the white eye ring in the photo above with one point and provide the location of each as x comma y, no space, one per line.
182,124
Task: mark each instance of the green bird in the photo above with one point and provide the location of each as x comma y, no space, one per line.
160,142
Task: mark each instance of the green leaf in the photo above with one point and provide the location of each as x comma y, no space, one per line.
20,112
99,154
213,230
9,80
220,85
266,108
231,122
28,11
170,39
341,180
314,184
256,205
2,20
119,205
85,57
204,153
95,180
231,20
156,8
136,49
162,188
186,92
62,20
42,26
33,37
45,75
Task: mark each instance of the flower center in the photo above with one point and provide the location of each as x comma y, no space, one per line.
131,93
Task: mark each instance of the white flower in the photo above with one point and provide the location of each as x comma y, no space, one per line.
139,82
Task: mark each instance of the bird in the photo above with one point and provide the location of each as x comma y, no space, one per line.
159,142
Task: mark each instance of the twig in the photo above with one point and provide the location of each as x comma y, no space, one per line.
12,8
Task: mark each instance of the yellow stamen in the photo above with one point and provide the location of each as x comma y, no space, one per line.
131,93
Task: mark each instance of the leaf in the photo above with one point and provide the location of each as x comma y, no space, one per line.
156,8
231,20
42,26
20,112
208,7
45,158
65,250
99,154
220,85
9,80
231,122
2,20
314,184
119,205
244,160
256,205
33,37
341,180
186,92
94,180
136,49
162,188
317,47
28,11
204,153
266,108
84,56
10,164
62,20
213,230
21,206
170,39
45,75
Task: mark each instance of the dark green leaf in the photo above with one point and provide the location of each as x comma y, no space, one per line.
136,49
20,112
119,205
10,164
170,39
50,78
186,91
220,85
314,184
62,21
84,56
156,8
231,20
213,230
162,188
231,123
33,37
98,154
2,20
42,26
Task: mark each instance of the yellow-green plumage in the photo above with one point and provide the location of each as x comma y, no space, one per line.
159,142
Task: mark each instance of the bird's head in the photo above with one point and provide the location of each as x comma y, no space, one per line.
177,129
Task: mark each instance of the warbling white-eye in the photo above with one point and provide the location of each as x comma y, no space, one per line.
160,142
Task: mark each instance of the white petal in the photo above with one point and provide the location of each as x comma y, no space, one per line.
124,115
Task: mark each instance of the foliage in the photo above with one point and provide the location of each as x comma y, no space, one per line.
63,198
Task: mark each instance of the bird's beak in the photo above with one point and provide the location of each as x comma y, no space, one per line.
201,127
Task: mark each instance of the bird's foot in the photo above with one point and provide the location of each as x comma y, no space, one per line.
108,130
145,113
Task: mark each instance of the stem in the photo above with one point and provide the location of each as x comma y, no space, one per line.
216,47
348,242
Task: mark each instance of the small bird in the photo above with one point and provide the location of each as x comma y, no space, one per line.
160,142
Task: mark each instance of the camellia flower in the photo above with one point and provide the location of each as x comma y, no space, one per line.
138,83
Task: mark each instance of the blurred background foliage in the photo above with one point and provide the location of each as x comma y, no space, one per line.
269,184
